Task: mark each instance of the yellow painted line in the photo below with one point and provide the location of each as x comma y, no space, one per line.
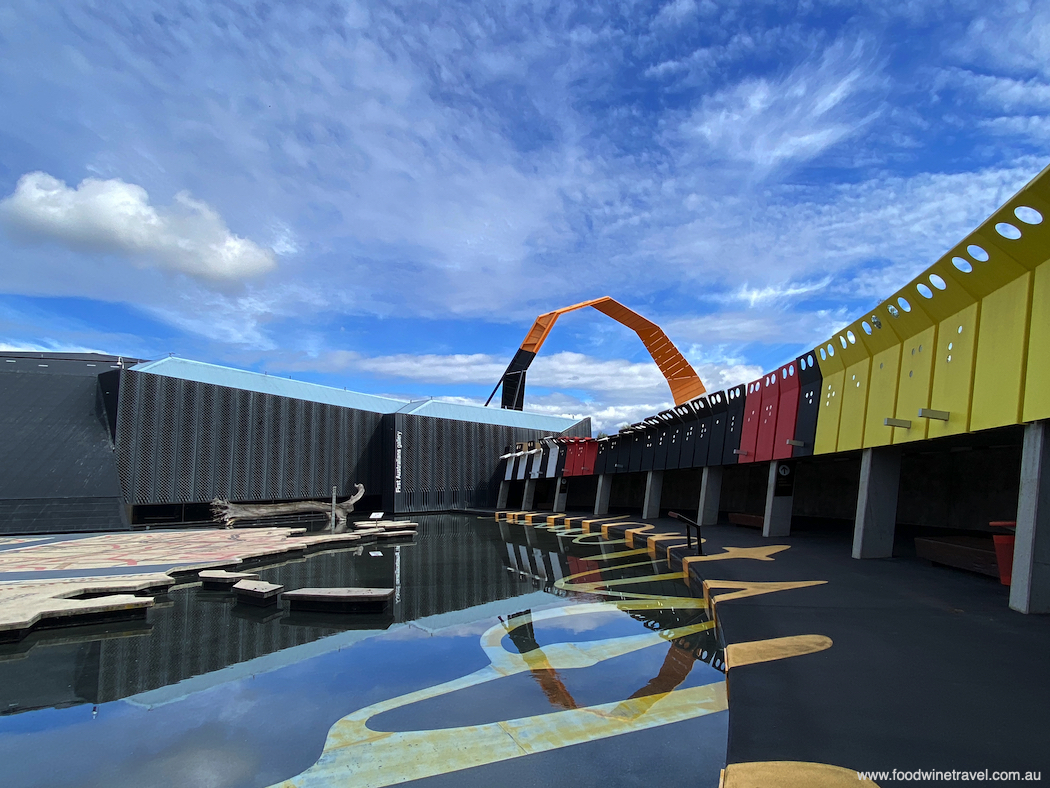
619,554
739,589
630,533
755,651
596,539
789,774
761,553
653,542
353,752
606,525
602,587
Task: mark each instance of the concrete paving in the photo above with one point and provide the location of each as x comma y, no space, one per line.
929,668
911,666
40,577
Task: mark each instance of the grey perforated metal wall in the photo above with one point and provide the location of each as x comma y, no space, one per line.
180,441
443,465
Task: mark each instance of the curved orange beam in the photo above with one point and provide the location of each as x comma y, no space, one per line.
681,377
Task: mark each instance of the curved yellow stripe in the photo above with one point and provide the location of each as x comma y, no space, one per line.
370,759
790,774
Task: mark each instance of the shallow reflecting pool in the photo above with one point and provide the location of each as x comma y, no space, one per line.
511,655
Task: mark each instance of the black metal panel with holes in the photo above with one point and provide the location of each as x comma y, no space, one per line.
605,445
694,451
651,433
621,461
181,441
56,441
734,423
717,404
447,464
637,447
673,423
680,455
810,382
563,456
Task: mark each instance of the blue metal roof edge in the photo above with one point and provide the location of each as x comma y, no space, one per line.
262,383
456,411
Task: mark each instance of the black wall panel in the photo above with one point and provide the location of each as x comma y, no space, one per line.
717,403
734,423
444,464
180,441
810,381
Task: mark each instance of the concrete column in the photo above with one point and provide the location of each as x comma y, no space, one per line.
529,495
654,483
504,493
601,498
779,497
1030,587
880,477
561,493
710,493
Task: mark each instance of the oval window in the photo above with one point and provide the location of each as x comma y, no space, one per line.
1008,231
1028,215
977,253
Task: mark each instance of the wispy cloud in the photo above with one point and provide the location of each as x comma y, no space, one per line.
750,177
794,119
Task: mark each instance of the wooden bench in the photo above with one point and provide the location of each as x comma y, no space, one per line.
750,520
339,600
973,553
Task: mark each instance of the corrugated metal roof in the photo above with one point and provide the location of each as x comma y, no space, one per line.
479,413
185,369
313,392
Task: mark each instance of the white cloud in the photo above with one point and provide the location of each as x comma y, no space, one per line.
610,391
768,123
113,216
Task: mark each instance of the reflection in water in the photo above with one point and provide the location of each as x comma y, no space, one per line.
626,649
452,564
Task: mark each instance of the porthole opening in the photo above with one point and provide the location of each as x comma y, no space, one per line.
866,327
1028,215
823,355
1008,231
937,282
903,303
831,349
842,339
851,337
977,253
893,310
924,291
962,265
875,321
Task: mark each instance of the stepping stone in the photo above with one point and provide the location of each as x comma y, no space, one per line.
221,580
394,534
257,592
343,600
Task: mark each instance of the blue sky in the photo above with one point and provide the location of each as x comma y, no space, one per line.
384,196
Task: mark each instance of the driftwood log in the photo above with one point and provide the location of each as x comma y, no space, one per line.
229,513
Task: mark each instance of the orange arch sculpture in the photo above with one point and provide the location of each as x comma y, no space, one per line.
685,384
